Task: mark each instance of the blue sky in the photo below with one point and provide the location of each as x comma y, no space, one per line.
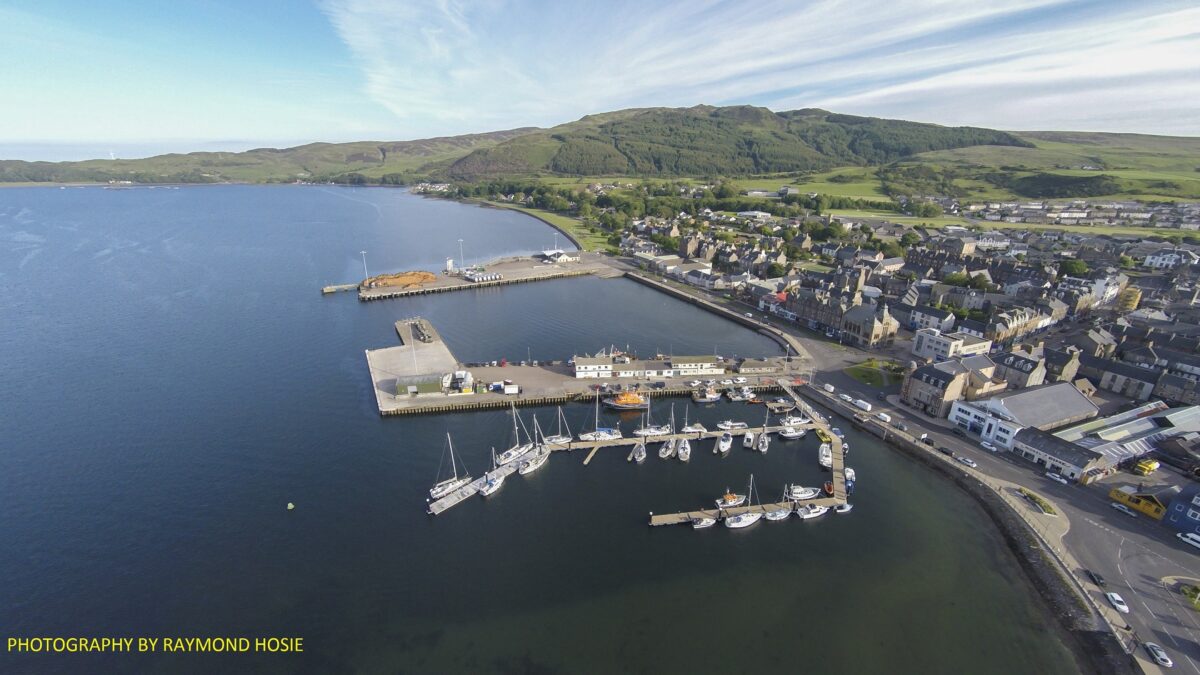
138,78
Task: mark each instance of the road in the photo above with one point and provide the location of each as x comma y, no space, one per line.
1137,557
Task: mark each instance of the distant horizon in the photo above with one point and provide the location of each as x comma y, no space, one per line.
76,151
190,76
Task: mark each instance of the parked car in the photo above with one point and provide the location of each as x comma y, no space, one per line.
882,396
1189,538
749,315
694,383
739,380
1123,509
1159,655
927,440
1096,578
726,382
946,451
900,425
966,460
1057,477
1117,602
959,432
988,446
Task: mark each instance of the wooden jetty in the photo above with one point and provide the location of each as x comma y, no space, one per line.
686,517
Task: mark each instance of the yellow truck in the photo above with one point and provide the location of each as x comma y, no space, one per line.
1146,467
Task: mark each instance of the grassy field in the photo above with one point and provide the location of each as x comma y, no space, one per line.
590,241
814,267
893,217
873,374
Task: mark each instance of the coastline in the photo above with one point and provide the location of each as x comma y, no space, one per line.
1095,650
488,205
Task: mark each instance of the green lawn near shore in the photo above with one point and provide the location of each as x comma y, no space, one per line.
588,240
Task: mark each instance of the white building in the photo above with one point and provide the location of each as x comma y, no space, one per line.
999,418
587,366
1170,259
931,343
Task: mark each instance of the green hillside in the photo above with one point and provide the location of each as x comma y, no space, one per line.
699,141
316,161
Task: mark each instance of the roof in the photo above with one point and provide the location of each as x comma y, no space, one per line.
933,311
593,361
1018,362
1045,406
1064,451
1121,368
972,324
693,359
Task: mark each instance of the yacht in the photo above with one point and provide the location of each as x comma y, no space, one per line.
764,442
843,508
442,488
723,444
743,520
639,453
518,448
730,500
627,400
696,428
811,511
706,395
660,430
748,440
825,456
683,450
560,439
493,480
778,514
729,425
791,432
667,451
598,432
800,493
535,461
794,421
701,523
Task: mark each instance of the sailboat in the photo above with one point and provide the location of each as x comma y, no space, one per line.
541,452
781,513
667,450
649,429
748,518
638,454
560,439
691,428
445,487
518,448
599,433
493,479
764,439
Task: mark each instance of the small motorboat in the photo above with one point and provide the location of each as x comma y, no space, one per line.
729,425
778,514
794,421
701,523
825,456
800,493
850,478
791,432
683,450
748,440
811,511
723,444
730,500
843,508
828,487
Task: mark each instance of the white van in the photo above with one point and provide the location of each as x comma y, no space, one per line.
1189,538
883,417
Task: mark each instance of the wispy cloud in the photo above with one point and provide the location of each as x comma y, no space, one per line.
468,66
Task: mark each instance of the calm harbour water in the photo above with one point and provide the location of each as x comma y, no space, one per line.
174,378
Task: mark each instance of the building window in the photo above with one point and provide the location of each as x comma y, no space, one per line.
1194,515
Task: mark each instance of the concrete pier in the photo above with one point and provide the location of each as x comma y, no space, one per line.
509,271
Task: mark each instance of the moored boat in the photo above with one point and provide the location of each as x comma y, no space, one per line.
794,421
445,487
850,478
743,520
828,487
493,480
764,442
706,395
696,428
825,456
560,439
824,436
791,432
701,523
627,400
811,511
729,425
598,433
748,440
639,453
667,451
778,514
683,450
800,493
730,500
535,461
659,430
518,448
843,508
723,444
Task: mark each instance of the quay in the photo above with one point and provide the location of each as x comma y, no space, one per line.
339,288
500,272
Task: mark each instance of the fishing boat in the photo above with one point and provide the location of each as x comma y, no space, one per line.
811,511
696,428
723,444
730,500
627,400
701,523
791,432
735,395
539,454
683,450
560,439
745,519
801,493
598,432
518,448
493,480
825,456
828,487
748,440
729,425
706,395
442,488
850,476
843,508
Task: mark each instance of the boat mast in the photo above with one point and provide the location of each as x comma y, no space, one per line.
453,464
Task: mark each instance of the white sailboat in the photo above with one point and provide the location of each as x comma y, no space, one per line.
538,456
780,513
843,508
599,433
683,449
691,428
667,450
442,488
560,439
638,454
493,480
748,518
764,439
518,448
